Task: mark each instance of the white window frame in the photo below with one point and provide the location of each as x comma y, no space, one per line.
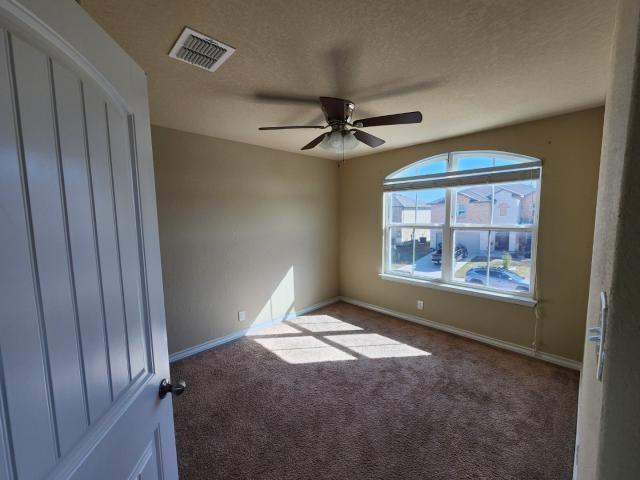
529,168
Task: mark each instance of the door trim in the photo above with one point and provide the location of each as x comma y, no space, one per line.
24,20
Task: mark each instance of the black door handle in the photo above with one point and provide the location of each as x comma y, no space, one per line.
166,387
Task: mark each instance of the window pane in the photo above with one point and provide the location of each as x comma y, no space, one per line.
496,204
471,161
426,167
428,248
501,161
401,250
470,256
510,267
416,206
474,160
515,203
402,207
430,205
473,204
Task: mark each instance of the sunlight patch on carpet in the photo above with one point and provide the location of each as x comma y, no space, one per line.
303,350
323,323
372,345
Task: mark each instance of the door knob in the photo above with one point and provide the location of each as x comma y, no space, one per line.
176,389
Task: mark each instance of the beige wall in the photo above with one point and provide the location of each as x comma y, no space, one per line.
248,228
241,228
570,148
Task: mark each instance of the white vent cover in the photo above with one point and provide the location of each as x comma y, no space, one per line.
197,49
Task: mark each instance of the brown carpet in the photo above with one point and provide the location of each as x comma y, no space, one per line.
362,410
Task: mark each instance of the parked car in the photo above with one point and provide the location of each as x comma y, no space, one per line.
460,253
498,278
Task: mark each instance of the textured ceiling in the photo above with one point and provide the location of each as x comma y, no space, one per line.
468,65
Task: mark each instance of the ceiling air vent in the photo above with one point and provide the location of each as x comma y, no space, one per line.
199,50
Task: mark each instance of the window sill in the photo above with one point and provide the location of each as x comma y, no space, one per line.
501,297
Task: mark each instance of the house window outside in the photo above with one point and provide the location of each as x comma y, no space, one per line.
462,210
464,218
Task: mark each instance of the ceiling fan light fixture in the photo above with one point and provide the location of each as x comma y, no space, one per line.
339,141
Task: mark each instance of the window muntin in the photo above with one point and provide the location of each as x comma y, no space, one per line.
480,234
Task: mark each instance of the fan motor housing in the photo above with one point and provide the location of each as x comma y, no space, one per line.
337,111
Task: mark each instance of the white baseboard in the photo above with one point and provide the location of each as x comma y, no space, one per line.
187,352
529,352
547,357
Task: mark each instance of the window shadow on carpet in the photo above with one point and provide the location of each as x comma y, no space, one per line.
323,338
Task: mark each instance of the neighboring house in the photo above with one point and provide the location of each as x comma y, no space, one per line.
407,210
403,210
514,204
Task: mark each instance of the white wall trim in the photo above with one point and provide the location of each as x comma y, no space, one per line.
512,347
187,352
529,352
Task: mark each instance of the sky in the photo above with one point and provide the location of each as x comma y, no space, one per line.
438,164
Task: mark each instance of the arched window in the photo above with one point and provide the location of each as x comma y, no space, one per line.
465,219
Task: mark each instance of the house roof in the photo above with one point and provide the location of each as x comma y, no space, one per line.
518,189
400,200
483,193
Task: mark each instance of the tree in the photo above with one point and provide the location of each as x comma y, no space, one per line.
506,260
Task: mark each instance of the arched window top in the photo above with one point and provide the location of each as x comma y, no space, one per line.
427,166
460,162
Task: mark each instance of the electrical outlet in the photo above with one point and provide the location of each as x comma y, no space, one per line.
420,305
242,315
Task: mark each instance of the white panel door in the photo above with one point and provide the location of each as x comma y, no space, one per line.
82,333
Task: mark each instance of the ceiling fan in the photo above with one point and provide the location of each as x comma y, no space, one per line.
338,113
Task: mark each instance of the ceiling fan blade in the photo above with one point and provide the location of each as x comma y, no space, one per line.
314,142
367,138
334,108
395,119
291,127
